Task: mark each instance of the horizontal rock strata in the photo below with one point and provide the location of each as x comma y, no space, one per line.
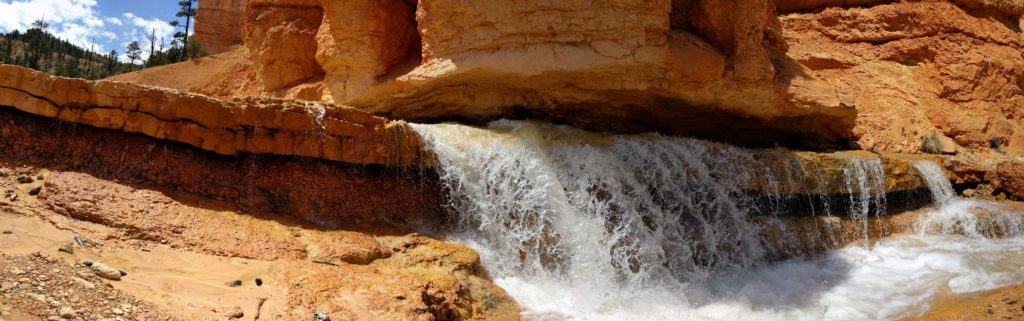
217,24
328,193
249,125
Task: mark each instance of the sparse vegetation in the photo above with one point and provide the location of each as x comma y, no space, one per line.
38,49
996,144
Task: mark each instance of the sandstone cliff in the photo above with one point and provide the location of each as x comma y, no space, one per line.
681,67
936,76
217,24
252,125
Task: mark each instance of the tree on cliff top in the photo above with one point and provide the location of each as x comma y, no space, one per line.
134,52
187,11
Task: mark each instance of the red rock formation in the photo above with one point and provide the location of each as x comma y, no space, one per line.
683,67
918,68
217,24
250,125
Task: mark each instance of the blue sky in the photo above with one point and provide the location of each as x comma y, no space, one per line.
105,24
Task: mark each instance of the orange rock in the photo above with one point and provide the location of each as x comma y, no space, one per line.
216,24
262,126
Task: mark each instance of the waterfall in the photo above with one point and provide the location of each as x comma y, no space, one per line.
954,216
590,226
938,183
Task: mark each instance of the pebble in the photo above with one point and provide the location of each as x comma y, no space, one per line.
85,284
233,312
117,311
235,283
35,190
24,179
321,316
104,271
67,312
8,232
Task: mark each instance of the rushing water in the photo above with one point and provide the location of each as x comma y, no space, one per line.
581,226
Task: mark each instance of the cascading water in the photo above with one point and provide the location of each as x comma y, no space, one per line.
942,190
582,226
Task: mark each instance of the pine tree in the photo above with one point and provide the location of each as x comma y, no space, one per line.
134,52
112,62
187,11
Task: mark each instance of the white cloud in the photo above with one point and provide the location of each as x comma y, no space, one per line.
73,20
81,23
142,28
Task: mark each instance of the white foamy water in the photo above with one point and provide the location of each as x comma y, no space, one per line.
580,226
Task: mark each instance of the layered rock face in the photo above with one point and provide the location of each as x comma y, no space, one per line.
933,76
217,24
251,125
919,68
682,67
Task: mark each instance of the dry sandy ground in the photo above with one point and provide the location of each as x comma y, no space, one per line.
224,75
190,258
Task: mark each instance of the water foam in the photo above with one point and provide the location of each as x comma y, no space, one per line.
580,226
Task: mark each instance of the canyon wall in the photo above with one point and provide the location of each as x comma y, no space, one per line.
250,125
880,75
950,69
931,76
682,67
218,24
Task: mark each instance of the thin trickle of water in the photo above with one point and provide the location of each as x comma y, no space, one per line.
954,216
865,180
318,111
587,226
938,183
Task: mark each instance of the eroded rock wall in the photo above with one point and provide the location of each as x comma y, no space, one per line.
918,68
926,76
249,125
686,67
217,24
331,194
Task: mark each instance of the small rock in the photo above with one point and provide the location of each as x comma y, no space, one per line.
53,318
17,271
67,312
24,179
235,283
69,249
8,232
259,282
84,283
233,312
939,144
970,192
35,190
321,316
117,311
105,271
